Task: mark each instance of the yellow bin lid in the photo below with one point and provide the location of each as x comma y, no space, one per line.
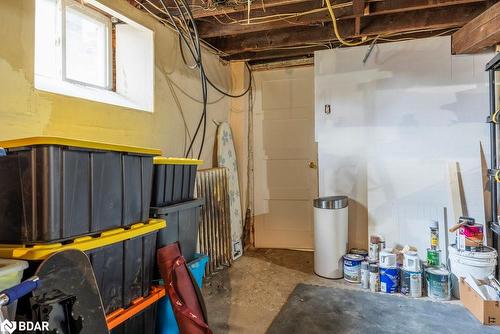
42,251
176,161
59,141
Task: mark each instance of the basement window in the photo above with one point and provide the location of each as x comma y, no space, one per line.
86,50
86,46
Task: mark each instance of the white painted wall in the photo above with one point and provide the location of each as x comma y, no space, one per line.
396,124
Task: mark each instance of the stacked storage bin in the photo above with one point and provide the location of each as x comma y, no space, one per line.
58,193
155,309
138,318
173,199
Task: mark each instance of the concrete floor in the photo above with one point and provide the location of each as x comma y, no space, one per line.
246,297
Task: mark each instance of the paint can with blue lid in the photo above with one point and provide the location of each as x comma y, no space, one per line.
389,279
352,268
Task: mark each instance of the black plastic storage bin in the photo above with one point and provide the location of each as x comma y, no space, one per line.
124,271
139,318
123,260
54,189
183,222
173,180
141,323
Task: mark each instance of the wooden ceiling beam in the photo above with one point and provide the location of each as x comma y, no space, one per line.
263,7
358,9
277,54
272,55
204,8
211,27
478,34
388,7
441,18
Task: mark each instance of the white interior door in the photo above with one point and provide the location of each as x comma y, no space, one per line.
285,158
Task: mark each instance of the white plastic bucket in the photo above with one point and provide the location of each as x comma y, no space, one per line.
479,264
11,273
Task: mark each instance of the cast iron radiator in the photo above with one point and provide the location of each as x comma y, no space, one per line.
214,237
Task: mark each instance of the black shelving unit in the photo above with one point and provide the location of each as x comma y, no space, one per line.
492,67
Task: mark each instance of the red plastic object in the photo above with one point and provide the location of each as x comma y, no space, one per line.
186,300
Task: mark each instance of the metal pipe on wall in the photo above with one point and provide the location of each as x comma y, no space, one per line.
492,67
493,146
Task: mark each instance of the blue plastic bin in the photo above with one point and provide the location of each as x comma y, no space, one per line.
165,319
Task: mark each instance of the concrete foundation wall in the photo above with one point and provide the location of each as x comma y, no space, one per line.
25,111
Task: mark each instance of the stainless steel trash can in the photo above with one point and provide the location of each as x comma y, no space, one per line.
330,235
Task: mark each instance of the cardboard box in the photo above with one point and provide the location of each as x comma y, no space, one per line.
486,311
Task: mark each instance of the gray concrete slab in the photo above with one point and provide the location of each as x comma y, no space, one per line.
246,298
318,309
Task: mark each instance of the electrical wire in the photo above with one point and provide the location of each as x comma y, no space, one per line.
279,17
209,47
235,95
195,51
336,30
185,25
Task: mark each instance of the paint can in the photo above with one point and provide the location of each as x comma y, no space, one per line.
411,262
438,283
352,268
434,227
389,279
433,257
365,275
373,251
382,243
359,251
470,237
411,283
387,258
374,277
374,247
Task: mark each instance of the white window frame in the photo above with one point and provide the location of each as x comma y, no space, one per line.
109,26
135,63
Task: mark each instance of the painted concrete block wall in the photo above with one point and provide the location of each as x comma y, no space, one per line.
25,111
397,122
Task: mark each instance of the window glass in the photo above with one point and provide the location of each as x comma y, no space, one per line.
87,48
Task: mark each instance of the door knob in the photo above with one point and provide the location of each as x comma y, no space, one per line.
313,165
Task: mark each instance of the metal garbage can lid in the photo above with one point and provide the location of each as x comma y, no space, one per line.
331,202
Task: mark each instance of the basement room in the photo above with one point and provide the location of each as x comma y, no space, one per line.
249,166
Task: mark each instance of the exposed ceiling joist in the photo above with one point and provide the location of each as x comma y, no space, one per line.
263,55
441,18
202,9
214,27
478,34
277,53
280,29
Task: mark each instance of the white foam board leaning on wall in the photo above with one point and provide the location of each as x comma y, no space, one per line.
397,122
